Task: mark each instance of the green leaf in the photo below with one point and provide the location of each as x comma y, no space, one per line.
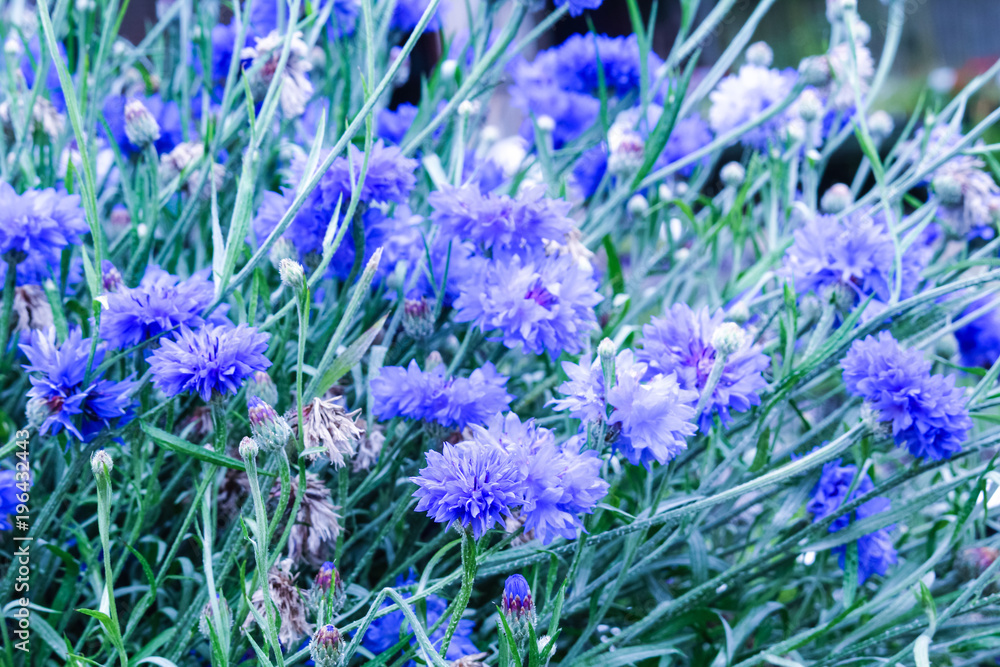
181,446
614,265
762,456
850,574
350,358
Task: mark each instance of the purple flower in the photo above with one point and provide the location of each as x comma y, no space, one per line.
498,220
385,631
654,416
211,360
855,252
543,303
407,15
468,484
577,7
161,302
167,115
58,391
746,95
8,497
35,227
681,343
433,396
875,550
927,412
557,484
393,124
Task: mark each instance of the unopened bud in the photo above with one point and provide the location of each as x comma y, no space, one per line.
880,125
141,127
637,206
836,199
739,312
518,608
292,274
448,68
327,647
948,189
625,150
760,54
101,463
546,123
815,71
270,430
607,351
728,337
248,449
207,618
810,105
418,318
733,175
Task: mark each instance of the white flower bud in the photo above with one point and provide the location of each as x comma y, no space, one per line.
141,127
101,463
292,274
810,105
546,123
948,189
467,108
880,125
664,192
942,80
760,54
815,71
837,198
676,228
282,249
248,448
637,206
448,68
625,150
733,174
728,338
739,312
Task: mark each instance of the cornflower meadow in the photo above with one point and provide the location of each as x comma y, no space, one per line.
582,354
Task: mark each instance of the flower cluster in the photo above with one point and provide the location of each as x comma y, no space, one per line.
927,412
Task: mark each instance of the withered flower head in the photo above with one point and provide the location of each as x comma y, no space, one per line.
289,602
317,524
328,426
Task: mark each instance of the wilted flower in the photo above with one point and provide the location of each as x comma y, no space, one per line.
185,160
370,446
927,412
46,118
212,360
969,197
296,89
32,310
330,427
317,524
287,598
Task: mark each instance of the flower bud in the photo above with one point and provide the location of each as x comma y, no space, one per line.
728,337
418,318
625,150
739,312
111,277
262,386
760,54
517,607
468,107
942,80
810,106
270,429
248,449
36,412
948,189
101,463
946,346
733,175
327,647
607,351
880,125
448,68
546,123
637,206
836,199
141,127
973,561
292,274
328,589
815,71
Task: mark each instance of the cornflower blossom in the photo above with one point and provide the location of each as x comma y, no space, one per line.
8,497
875,550
160,303
264,56
853,253
498,220
385,631
407,13
392,124
927,412
166,114
36,226
577,7
680,343
31,59
342,23
745,96
469,485
557,483
537,302
215,359
979,340
433,396
61,396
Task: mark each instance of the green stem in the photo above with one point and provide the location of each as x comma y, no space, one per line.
260,552
104,527
469,566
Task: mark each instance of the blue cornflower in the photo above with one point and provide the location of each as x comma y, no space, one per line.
681,343
853,252
33,59
342,23
35,227
875,550
390,176
211,360
58,391
557,483
407,13
433,396
545,303
746,95
927,412
577,7
384,632
653,415
161,302
8,497
468,484
498,220
393,124
979,340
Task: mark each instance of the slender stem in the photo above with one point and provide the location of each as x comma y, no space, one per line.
104,527
260,552
469,566
713,381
